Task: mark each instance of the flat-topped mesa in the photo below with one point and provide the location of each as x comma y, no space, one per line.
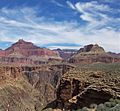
26,51
92,48
93,53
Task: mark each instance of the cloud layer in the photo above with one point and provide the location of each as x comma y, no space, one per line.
99,26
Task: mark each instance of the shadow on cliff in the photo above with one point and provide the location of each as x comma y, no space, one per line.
51,105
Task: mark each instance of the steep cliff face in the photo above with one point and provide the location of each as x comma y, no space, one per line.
45,80
19,95
34,86
28,49
26,52
93,53
94,84
42,78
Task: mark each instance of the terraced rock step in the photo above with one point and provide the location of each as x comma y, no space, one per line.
23,52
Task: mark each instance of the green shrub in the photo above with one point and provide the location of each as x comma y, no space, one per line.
84,109
112,105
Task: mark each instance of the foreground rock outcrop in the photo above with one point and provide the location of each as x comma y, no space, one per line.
93,53
89,84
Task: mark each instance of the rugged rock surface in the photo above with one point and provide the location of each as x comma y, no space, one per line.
26,52
93,53
19,95
92,48
29,88
89,84
32,87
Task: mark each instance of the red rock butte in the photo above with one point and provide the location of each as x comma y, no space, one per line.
93,53
27,52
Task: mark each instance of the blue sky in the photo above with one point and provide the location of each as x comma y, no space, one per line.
61,23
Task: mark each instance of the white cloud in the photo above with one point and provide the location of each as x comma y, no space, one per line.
101,27
97,15
30,26
92,12
65,47
57,3
70,5
40,30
